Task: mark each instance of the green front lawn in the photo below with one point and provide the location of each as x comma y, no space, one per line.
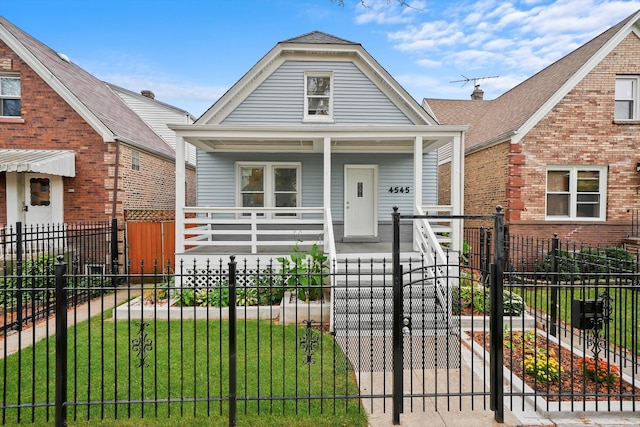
185,377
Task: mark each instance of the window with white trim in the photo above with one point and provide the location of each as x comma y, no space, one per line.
576,192
135,160
10,103
626,98
318,97
269,185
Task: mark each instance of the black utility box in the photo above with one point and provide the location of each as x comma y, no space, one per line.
586,314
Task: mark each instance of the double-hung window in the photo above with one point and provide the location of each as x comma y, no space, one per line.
626,98
576,192
269,185
10,96
318,97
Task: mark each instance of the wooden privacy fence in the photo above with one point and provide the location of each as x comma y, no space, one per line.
150,242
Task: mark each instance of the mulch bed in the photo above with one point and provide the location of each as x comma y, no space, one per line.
573,384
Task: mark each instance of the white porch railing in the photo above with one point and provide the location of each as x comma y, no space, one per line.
253,228
445,270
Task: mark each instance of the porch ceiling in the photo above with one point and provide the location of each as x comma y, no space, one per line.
310,138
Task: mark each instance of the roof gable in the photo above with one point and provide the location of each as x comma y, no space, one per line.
319,47
103,110
518,110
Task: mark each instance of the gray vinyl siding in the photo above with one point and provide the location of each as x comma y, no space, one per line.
216,179
394,170
216,176
280,98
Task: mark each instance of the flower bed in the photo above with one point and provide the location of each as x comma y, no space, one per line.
557,373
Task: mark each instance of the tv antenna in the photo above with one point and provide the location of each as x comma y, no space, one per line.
466,79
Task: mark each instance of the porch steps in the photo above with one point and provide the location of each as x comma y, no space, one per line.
363,302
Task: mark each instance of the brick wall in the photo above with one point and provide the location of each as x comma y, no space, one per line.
49,123
580,130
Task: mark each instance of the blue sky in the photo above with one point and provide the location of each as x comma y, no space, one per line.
189,52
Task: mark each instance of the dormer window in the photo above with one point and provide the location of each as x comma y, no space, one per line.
318,100
10,96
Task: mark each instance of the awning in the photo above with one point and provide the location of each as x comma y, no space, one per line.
51,162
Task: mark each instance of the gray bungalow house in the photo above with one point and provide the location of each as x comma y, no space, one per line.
314,144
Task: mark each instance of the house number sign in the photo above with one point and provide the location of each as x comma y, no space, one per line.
399,189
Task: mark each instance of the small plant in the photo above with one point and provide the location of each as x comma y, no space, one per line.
186,297
600,370
304,272
544,367
246,296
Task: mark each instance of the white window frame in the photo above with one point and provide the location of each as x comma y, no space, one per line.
135,160
18,97
633,97
269,182
318,117
573,182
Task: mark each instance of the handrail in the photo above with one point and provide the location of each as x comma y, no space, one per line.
434,254
330,244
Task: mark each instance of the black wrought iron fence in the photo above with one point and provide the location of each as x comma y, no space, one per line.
28,254
224,339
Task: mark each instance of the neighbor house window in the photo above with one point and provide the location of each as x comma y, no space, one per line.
318,99
576,192
135,160
626,106
269,185
9,96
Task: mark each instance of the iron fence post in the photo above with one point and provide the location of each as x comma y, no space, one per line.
232,342
397,320
61,342
555,268
19,255
496,319
114,252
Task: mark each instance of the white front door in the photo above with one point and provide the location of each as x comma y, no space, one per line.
360,201
42,199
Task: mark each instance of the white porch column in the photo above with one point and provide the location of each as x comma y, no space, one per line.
457,190
180,192
326,175
417,182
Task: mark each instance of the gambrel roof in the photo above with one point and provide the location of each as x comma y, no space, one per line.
320,46
90,97
514,113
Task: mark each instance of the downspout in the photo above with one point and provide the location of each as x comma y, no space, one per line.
115,180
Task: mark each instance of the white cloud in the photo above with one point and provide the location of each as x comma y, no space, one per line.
515,39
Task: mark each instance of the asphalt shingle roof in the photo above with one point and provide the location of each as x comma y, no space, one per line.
98,98
489,120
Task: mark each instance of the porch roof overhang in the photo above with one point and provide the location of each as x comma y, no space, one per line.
310,138
51,162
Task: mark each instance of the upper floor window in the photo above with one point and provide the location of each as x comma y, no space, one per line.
318,99
576,192
135,160
626,98
9,96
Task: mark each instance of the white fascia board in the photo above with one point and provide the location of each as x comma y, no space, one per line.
49,78
315,131
576,78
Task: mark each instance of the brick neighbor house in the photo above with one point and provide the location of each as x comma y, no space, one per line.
559,151
71,148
